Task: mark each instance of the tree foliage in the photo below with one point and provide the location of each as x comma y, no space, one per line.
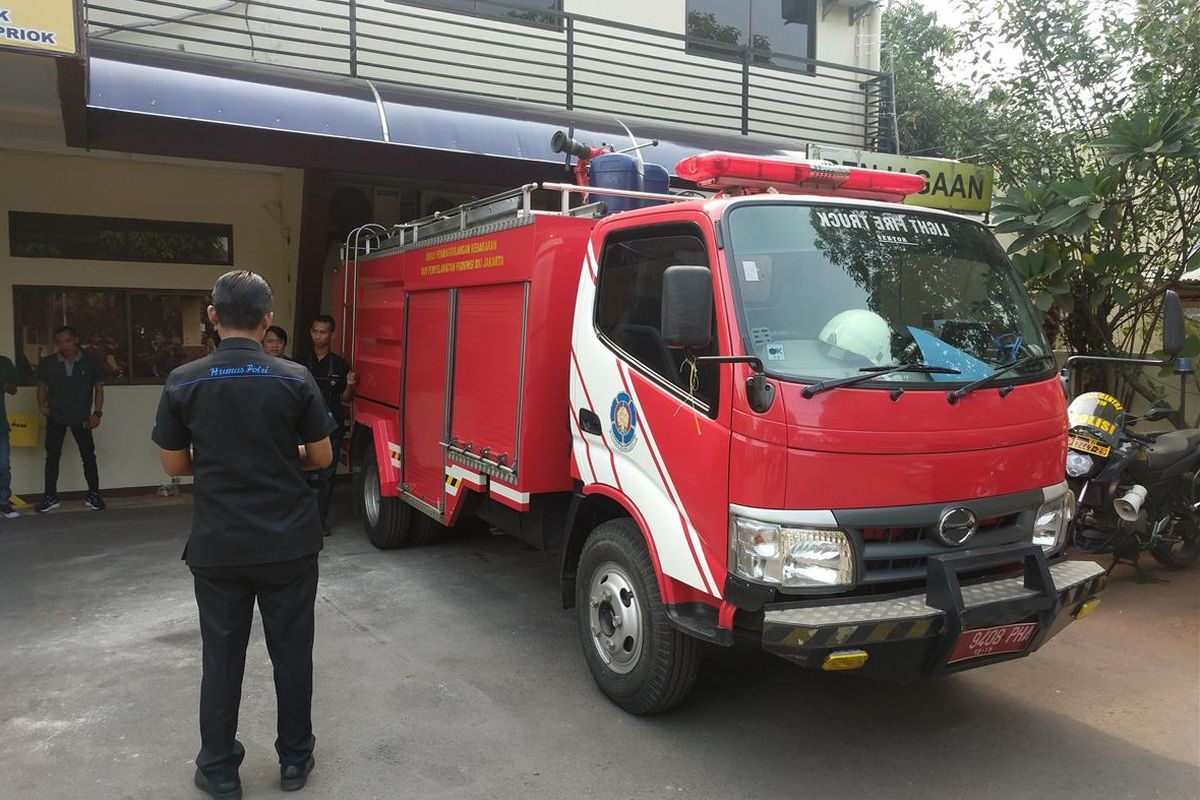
1092,125
934,116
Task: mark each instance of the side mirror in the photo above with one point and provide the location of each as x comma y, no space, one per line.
1173,330
687,306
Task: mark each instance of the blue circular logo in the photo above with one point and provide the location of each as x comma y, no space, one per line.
623,416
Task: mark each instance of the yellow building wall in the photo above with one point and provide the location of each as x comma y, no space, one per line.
262,206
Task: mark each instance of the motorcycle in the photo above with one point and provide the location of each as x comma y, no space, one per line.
1135,492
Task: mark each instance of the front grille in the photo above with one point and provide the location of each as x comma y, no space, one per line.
896,555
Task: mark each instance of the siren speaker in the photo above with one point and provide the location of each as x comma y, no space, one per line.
1129,505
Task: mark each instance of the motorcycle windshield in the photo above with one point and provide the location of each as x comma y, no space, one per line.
1097,415
827,291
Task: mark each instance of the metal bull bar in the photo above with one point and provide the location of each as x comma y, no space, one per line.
913,634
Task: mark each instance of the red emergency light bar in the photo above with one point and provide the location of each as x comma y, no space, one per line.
719,170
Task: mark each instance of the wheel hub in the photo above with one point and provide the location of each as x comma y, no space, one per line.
615,617
371,497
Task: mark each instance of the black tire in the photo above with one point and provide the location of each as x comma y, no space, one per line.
425,530
1180,555
359,444
662,672
387,520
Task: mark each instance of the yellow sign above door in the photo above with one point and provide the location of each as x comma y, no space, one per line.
40,26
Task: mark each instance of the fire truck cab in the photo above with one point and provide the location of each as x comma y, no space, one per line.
797,411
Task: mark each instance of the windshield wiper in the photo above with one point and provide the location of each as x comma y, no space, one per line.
958,394
872,373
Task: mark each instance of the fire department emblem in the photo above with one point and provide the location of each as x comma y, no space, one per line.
624,418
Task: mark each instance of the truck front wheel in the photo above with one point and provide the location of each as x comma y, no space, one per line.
637,659
387,520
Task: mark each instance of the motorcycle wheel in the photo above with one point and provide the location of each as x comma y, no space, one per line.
1181,554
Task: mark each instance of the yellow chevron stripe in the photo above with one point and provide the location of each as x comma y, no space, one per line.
881,632
919,629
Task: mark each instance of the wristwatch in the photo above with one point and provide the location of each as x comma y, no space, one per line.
97,413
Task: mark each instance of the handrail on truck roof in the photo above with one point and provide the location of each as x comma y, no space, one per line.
512,204
567,189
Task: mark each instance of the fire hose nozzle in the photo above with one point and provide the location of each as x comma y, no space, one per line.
562,143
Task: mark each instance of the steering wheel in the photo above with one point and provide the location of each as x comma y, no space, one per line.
1009,346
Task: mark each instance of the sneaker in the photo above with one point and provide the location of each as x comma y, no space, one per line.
293,776
49,503
6,511
94,501
224,789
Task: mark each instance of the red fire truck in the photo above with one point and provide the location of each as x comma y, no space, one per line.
796,410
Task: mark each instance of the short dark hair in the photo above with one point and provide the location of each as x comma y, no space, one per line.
66,329
278,331
242,299
327,319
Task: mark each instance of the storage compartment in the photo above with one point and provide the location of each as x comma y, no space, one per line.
425,396
487,370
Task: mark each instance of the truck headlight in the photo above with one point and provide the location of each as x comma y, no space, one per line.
793,558
1050,525
1078,464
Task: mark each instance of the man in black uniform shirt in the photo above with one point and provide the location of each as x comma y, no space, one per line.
337,384
71,396
234,419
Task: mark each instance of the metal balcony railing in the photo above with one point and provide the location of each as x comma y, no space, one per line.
549,58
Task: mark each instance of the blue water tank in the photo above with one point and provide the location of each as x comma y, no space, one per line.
657,181
620,171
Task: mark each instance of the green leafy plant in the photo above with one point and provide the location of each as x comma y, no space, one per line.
1092,126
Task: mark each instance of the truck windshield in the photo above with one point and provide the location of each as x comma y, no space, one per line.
827,291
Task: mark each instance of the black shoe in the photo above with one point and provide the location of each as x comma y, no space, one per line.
224,789
325,530
294,776
49,503
94,501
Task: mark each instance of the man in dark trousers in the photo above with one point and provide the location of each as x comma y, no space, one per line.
234,420
71,397
337,384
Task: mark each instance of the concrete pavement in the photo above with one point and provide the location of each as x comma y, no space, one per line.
449,672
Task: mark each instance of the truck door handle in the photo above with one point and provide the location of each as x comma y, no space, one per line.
589,422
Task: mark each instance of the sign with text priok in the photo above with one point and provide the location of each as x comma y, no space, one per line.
39,26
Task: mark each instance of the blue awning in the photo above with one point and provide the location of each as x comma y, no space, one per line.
148,83
154,82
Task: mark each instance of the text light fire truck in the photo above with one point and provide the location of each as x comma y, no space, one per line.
798,411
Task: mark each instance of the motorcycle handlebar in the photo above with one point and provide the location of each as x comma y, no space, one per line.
1141,438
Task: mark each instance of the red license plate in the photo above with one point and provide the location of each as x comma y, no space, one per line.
992,641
